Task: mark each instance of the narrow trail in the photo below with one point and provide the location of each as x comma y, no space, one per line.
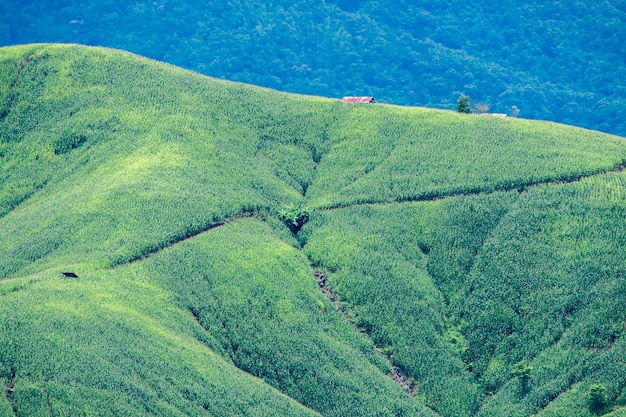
426,196
15,284
9,391
324,286
436,195
327,290
175,241
321,277
395,374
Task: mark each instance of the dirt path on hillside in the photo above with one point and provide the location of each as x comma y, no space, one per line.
437,195
10,388
398,377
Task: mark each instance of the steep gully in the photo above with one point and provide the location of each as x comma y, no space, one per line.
394,373
321,277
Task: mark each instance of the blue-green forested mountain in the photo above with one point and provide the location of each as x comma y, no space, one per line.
556,60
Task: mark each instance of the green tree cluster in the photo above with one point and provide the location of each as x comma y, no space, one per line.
463,104
294,217
597,398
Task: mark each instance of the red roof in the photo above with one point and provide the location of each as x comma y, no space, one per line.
351,99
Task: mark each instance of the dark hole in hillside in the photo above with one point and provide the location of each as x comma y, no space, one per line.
424,248
196,314
5,112
69,274
294,217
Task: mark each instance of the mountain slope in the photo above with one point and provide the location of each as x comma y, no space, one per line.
453,250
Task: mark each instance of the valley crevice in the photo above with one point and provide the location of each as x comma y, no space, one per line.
494,290
10,388
395,373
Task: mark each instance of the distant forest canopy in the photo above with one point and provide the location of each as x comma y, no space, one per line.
555,60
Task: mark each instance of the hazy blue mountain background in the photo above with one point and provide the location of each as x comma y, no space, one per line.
557,60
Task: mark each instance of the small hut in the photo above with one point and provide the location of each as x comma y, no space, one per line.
358,99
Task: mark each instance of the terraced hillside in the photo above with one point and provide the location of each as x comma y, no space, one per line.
451,265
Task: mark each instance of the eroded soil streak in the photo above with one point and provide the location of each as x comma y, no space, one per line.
326,289
10,389
322,282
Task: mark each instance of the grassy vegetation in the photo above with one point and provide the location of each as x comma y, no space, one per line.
481,258
255,294
112,343
404,154
392,297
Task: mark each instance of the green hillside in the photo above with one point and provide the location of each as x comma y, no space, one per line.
442,264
